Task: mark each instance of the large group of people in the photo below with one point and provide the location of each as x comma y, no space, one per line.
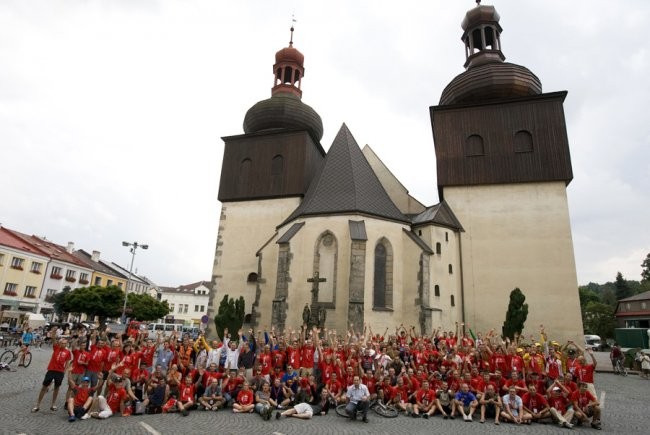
306,372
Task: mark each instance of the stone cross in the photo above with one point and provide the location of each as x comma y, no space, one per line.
315,280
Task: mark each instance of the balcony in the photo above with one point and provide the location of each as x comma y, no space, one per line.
56,276
70,279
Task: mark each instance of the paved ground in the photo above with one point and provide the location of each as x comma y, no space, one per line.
625,412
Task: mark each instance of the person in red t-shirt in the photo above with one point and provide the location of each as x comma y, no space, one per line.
560,405
186,396
585,405
425,401
536,404
115,399
245,400
61,357
80,402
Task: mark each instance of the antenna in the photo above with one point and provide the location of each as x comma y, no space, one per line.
293,20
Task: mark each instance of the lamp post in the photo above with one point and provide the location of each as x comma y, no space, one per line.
134,246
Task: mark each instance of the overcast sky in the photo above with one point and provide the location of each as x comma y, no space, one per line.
111,112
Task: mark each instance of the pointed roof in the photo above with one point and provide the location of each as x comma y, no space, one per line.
440,214
346,183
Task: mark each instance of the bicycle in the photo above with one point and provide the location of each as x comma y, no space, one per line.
377,406
619,367
9,356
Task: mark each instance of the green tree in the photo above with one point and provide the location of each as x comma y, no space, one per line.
645,270
599,319
96,301
623,289
145,308
587,295
516,315
58,300
230,315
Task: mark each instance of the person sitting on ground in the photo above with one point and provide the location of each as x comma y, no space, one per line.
245,400
186,396
263,403
114,402
444,402
157,396
466,402
513,408
490,404
536,404
425,400
212,398
561,409
585,405
82,399
358,400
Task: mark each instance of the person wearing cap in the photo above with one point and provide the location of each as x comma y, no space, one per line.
82,397
586,406
561,407
115,400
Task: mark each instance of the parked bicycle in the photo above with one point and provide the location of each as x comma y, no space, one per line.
380,408
9,356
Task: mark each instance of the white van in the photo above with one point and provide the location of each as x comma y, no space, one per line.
593,342
166,328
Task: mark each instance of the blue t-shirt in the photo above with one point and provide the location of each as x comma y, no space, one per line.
27,337
466,398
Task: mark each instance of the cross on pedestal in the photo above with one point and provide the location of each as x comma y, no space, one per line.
316,313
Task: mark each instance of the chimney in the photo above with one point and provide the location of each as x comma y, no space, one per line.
95,256
70,247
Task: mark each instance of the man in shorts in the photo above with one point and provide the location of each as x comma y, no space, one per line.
490,404
212,398
513,408
466,402
61,358
585,406
82,399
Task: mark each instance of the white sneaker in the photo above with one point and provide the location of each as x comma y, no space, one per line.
469,418
86,416
466,417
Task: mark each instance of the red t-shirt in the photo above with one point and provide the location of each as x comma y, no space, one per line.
81,395
147,355
582,399
586,373
96,358
425,397
114,355
60,356
307,356
187,392
279,358
293,354
266,361
115,397
558,402
79,361
334,387
245,397
534,402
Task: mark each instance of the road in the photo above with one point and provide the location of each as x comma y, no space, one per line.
625,412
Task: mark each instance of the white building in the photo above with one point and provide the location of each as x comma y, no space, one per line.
187,303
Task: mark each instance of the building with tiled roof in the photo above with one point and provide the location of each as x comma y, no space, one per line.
103,273
333,238
187,303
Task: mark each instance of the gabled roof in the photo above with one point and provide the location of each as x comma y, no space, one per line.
51,249
188,288
440,214
418,241
125,272
98,266
194,285
7,238
640,297
346,184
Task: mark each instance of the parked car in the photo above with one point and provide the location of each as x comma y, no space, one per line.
594,342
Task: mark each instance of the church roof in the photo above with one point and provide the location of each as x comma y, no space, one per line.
346,184
440,214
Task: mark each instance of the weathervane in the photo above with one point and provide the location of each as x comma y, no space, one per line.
478,2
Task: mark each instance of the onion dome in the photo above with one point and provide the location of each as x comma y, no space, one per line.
285,110
487,77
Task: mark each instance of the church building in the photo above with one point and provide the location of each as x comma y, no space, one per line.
333,238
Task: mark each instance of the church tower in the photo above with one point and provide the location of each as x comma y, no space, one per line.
265,173
503,165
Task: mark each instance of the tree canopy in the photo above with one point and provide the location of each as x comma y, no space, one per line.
598,318
145,308
516,315
623,289
96,301
645,269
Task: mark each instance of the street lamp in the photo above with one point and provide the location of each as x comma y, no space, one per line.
134,246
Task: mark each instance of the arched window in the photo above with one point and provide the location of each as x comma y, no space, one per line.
523,142
474,146
252,277
325,260
436,290
438,248
383,275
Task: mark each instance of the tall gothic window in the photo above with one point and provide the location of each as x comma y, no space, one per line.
277,169
244,176
325,264
383,282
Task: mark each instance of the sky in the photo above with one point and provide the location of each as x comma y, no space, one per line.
112,112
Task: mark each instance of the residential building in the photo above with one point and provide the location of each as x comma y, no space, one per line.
187,303
103,272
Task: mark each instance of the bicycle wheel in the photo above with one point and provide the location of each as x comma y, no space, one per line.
7,357
340,410
385,411
28,359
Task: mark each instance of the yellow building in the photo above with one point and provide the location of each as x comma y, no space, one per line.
103,275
